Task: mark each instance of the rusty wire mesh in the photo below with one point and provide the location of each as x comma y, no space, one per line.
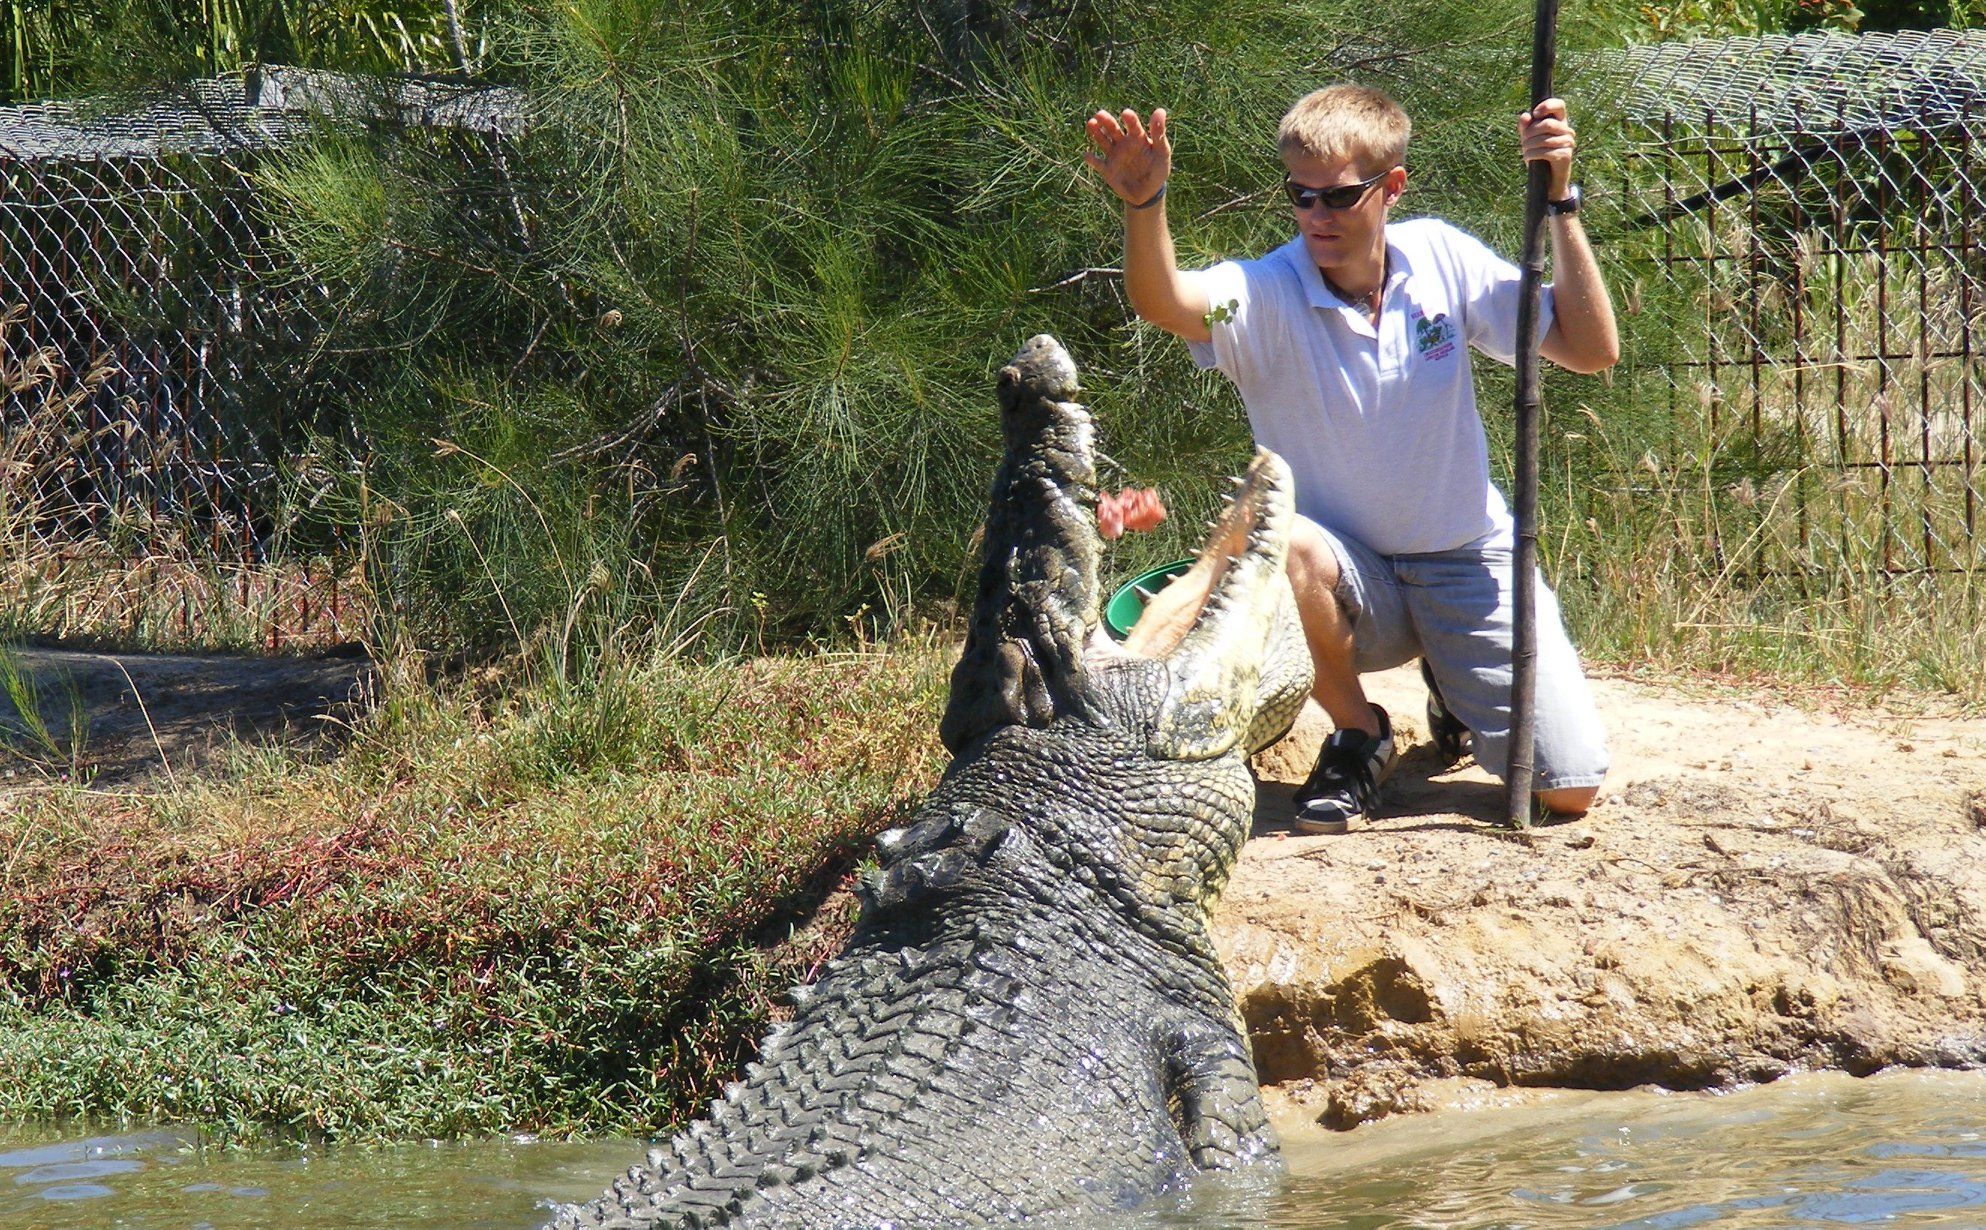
1796,221
157,360
149,363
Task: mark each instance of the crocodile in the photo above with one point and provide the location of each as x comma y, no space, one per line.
1030,1016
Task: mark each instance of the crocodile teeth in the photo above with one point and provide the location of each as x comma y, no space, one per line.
1227,629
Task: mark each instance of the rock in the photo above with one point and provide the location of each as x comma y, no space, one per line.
1698,929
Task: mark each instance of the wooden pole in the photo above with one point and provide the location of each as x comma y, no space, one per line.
1524,648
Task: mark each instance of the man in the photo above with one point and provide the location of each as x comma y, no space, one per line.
1349,346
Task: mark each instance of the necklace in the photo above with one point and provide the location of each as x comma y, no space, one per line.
1371,299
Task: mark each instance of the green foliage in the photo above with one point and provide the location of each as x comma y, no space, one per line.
60,48
1647,21
725,323
1644,21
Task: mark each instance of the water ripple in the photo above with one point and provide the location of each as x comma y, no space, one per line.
1902,1149
62,1171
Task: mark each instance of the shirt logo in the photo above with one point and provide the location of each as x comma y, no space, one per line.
1434,336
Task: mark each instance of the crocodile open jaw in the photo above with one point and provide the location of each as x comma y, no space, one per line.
1227,630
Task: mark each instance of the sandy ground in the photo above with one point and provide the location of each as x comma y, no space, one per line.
149,716
1769,883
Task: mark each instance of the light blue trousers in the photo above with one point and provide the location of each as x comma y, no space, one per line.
1457,609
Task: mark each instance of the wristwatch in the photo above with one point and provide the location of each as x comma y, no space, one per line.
1568,205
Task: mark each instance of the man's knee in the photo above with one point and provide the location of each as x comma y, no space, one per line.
1568,801
1312,565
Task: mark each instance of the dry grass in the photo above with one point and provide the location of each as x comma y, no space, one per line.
80,562
1814,514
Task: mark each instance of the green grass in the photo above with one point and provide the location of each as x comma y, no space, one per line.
504,907
27,732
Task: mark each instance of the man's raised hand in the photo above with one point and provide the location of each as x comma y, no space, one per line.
1132,159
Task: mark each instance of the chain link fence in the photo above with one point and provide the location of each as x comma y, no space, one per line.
1797,225
157,361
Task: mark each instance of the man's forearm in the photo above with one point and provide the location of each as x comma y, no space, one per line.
1158,291
1581,306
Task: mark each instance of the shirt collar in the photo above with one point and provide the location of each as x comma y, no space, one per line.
1398,271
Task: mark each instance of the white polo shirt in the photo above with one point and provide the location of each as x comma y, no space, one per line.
1379,426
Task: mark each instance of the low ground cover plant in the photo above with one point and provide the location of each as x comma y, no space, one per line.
563,910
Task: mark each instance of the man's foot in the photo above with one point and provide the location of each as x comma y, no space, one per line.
1451,737
1345,783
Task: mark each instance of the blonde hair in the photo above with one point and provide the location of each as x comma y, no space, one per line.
1347,121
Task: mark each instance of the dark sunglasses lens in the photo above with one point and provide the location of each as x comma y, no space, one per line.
1335,198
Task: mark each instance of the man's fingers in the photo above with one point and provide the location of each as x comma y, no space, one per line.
1548,112
1544,131
1108,131
1545,147
1126,150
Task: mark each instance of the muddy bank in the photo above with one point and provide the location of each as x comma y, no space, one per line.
1763,889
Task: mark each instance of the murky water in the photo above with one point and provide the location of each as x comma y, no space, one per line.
1904,1149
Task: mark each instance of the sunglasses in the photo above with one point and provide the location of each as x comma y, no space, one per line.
1343,196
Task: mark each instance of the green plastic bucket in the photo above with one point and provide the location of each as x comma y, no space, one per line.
1124,607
